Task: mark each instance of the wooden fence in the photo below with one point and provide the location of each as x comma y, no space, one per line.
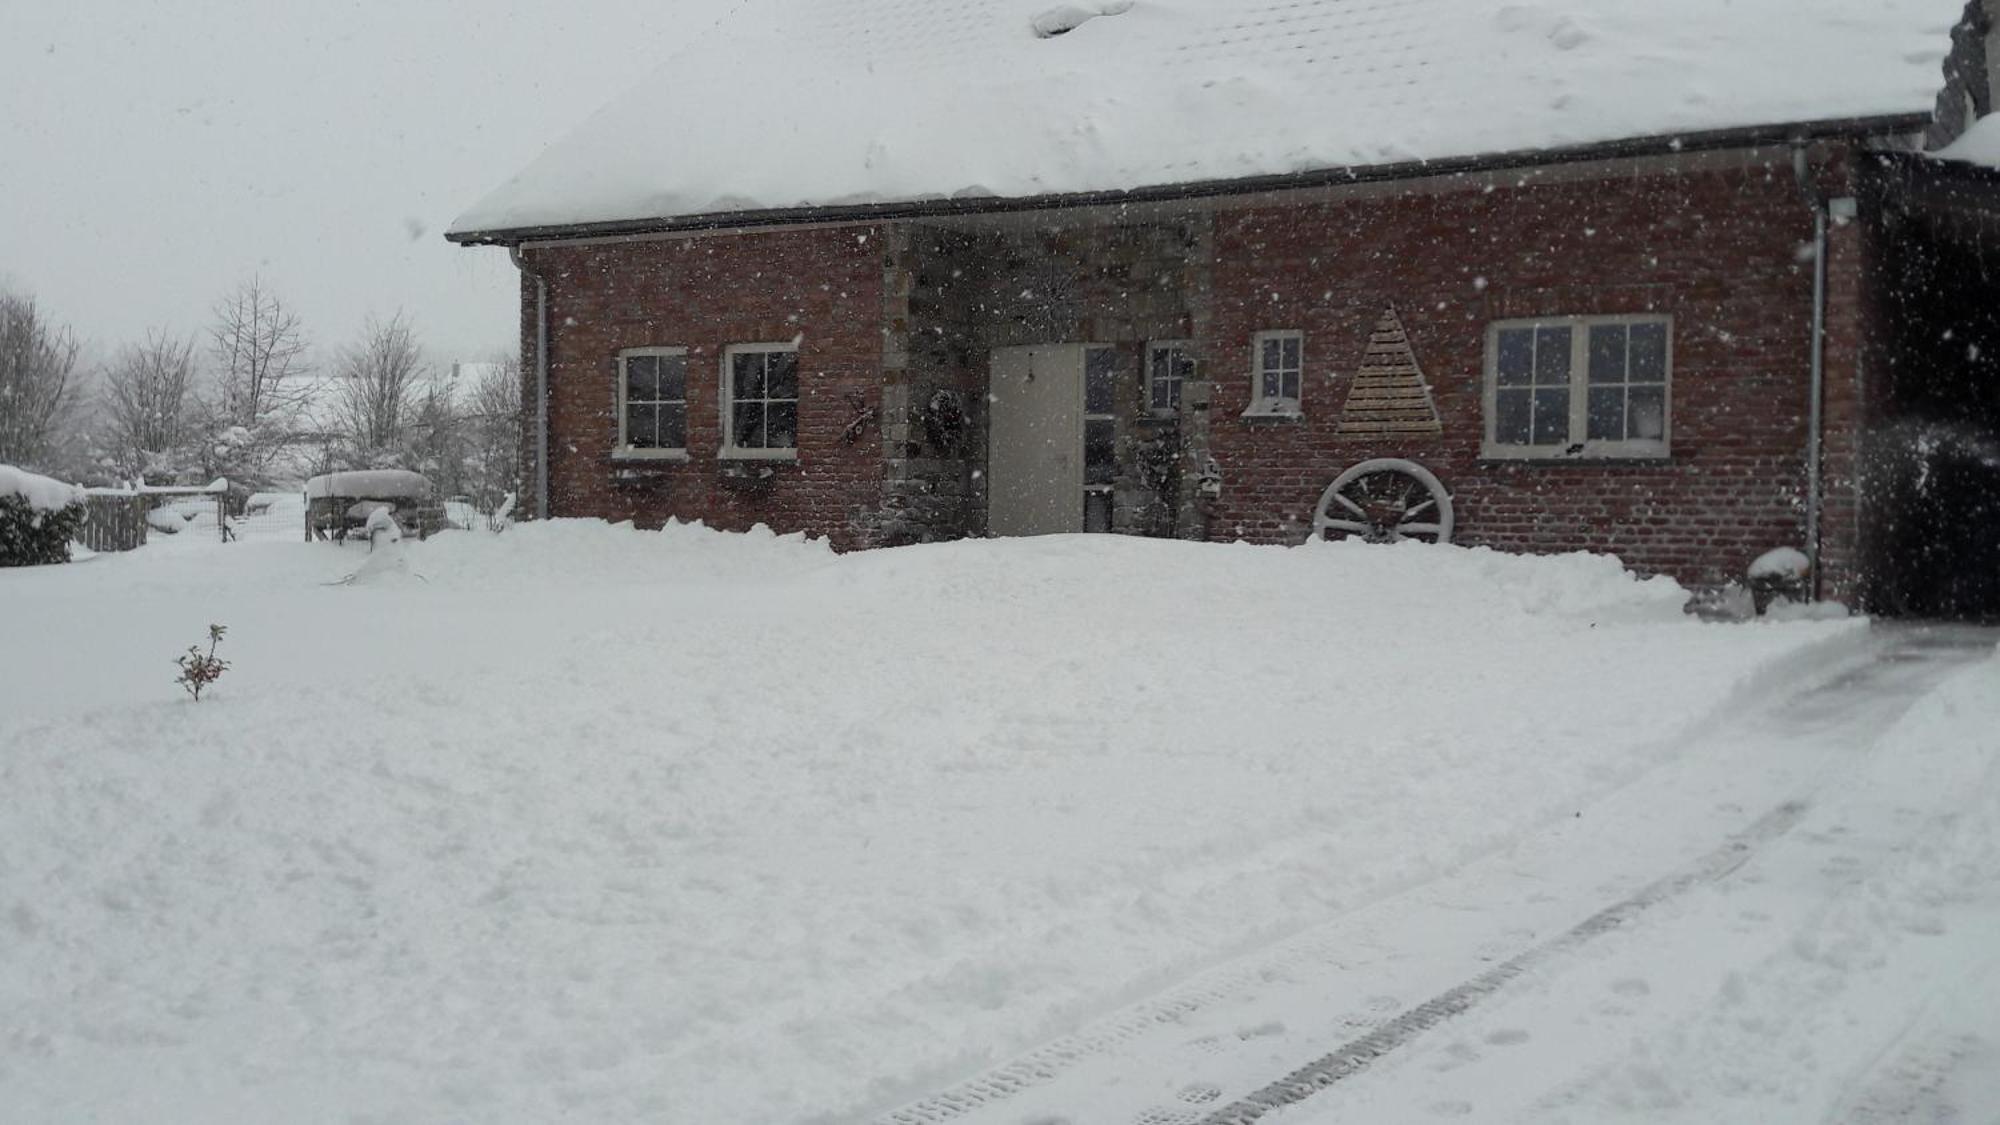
116,521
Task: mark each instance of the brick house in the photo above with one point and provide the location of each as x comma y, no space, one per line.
1258,271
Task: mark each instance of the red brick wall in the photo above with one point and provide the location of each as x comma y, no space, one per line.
1718,250
822,286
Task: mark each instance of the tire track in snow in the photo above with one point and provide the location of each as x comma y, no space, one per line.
1043,1065
1357,1055
1377,1033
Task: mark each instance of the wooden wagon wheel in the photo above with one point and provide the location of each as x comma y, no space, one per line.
1385,500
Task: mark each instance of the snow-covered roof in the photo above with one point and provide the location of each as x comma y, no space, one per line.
369,484
810,103
1979,145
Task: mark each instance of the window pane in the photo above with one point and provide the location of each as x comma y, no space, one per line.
783,381
1161,397
748,368
1649,353
1291,387
1552,357
1515,361
1551,417
1097,511
1273,384
642,382
782,430
1607,353
673,377
1511,417
1099,366
1648,414
1292,345
749,421
642,426
673,427
1273,355
1607,413
1100,451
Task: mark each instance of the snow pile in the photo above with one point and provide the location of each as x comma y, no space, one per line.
899,100
43,494
381,526
604,824
1781,562
549,554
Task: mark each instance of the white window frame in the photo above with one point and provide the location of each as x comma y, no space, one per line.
1280,407
1108,492
1186,348
623,450
1576,449
729,451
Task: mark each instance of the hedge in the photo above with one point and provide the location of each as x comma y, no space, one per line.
31,537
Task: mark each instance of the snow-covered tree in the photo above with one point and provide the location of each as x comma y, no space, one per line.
493,406
378,377
38,382
259,354
146,404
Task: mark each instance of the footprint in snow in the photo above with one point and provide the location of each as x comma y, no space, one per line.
1200,1093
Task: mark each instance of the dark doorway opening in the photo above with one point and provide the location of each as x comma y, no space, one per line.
1933,465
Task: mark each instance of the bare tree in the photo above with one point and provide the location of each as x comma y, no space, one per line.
146,401
495,414
378,377
259,352
37,381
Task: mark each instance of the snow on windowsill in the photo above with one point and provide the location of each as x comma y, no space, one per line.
758,456
1274,412
640,458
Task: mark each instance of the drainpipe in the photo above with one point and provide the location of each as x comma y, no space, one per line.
1817,410
541,383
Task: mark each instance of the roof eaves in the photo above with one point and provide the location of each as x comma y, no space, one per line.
1658,145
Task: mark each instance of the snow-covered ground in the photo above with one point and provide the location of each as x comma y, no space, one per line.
1797,919
584,822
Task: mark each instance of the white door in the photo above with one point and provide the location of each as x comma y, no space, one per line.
1034,441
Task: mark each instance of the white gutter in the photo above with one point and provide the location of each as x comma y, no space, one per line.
541,383
1816,411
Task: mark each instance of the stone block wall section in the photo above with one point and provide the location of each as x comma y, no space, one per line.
1725,252
824,287
1046,279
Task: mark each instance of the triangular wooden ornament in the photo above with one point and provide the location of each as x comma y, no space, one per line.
1390,397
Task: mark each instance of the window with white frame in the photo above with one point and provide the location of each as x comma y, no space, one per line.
1277,372
652,402
1100,437
760,401
1169,365
1584,386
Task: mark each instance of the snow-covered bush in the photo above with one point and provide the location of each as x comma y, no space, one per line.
38,518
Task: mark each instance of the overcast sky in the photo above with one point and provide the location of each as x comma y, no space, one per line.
153,153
